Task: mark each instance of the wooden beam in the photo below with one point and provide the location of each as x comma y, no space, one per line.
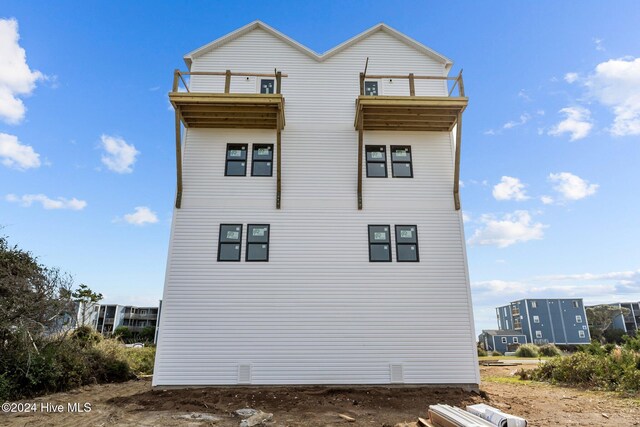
362,84
279,165
360,150
412,85
228,126
227,81
278,82
224,115
456,173
178,163
223,73
176,73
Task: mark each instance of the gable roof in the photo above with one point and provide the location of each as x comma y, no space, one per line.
188,58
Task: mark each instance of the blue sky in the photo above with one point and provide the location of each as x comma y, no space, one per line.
550,148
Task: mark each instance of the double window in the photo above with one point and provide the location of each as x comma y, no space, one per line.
261,161
406,243
230,242
401,165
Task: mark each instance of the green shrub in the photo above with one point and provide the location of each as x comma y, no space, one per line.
141,360
481,352
496,353
550,350
527,350
617,371
86,335
631,343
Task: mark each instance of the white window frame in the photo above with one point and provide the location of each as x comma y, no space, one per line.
536,319
581,334
538,334
576,304
578,318
504,340
534,304
516,340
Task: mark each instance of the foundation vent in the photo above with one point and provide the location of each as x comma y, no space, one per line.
244,374
396,371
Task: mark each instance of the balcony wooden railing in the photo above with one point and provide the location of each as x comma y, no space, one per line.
227,110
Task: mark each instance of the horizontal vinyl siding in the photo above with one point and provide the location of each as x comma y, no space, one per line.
318,312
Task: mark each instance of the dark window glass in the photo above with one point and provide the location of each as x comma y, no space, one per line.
376,161
267,86
407,243
371,88
236,163
262,160
257,242
401,166
229,242
379,243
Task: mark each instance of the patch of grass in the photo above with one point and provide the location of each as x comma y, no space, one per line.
505,380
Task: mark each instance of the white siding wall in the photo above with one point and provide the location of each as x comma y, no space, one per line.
318,311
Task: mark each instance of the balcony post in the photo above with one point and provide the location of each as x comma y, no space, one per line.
456,175
227,81
279,160
412,85
278,82
360,150
361,84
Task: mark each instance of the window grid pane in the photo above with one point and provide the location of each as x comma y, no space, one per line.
407,243
401,164
379,243
376,157
229,241
257,243
236,160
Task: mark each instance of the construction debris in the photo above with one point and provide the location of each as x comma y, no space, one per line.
496,416
451,416
347,417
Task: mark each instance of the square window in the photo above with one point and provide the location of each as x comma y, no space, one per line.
581,334
236,160
371,88
578,319
515,340
536,319
401,165
262,160
534,304
576,304
376,161
407,243
379,243
257,242
538,334
267,86
229,242
504,340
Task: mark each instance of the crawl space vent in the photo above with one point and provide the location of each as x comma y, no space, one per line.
244,374
397,376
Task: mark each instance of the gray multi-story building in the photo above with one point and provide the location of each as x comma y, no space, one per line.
112,316
547,321
502,341
629,322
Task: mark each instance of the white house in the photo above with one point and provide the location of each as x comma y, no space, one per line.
317,236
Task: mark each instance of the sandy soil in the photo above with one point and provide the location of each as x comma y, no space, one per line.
135,404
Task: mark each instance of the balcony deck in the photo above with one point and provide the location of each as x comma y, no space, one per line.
409,113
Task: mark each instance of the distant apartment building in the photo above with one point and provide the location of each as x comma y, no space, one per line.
112,316
501,340
546,321
630,322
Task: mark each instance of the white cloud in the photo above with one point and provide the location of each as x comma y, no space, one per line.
510,188
570,77
523,94
572,187
547,200
46,202
510,229
14,154
598,43
524,118
16,78
142,215
616,84
577,123
466,217
119,156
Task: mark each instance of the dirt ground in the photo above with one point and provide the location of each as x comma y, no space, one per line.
134,404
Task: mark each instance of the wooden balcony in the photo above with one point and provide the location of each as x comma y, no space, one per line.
410,112
227,110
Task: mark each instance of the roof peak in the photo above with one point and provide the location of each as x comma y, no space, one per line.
188,58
